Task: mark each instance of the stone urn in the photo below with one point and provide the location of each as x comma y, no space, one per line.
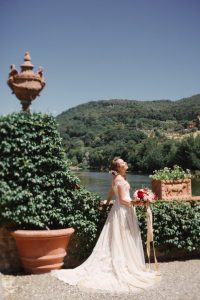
26,85
41,251
172,189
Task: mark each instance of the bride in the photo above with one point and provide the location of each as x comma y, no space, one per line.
117,262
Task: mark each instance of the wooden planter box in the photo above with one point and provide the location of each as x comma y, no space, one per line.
172,189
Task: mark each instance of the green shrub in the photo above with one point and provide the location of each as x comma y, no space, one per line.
171,173
175,223
37,188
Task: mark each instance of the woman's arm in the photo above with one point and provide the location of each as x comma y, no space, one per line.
109,198
110,194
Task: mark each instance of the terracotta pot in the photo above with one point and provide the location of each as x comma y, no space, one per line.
42,250
172,189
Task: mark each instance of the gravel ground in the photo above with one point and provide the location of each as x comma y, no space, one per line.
180,280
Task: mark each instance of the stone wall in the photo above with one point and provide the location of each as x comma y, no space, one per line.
9,259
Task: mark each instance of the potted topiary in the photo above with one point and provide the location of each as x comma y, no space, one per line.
172,183
41,200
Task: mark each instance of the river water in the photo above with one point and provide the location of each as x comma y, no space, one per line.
99,182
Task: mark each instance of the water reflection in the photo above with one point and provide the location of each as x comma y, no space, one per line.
99,182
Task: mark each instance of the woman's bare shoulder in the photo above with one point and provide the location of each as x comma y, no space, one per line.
119,180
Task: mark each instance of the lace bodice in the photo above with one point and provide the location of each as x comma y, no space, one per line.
121,182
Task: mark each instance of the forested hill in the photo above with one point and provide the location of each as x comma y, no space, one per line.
97,130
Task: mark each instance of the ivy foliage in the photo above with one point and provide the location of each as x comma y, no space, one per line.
37,188
175,224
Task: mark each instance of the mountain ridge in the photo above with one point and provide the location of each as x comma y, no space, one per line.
158,101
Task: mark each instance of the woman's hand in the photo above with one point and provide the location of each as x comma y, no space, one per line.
141,203
105,202
137,202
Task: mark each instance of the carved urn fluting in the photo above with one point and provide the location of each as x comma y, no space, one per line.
26,85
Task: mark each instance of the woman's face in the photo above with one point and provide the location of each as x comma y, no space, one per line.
122,165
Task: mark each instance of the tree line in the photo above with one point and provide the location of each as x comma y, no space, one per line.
137,131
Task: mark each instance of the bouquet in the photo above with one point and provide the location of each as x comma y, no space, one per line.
144,195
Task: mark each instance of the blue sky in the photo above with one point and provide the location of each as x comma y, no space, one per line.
101,49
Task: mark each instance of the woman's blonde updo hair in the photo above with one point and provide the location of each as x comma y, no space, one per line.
114,165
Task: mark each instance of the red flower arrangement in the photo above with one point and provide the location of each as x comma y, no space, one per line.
144,195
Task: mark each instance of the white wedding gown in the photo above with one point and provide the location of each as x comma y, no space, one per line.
116,264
